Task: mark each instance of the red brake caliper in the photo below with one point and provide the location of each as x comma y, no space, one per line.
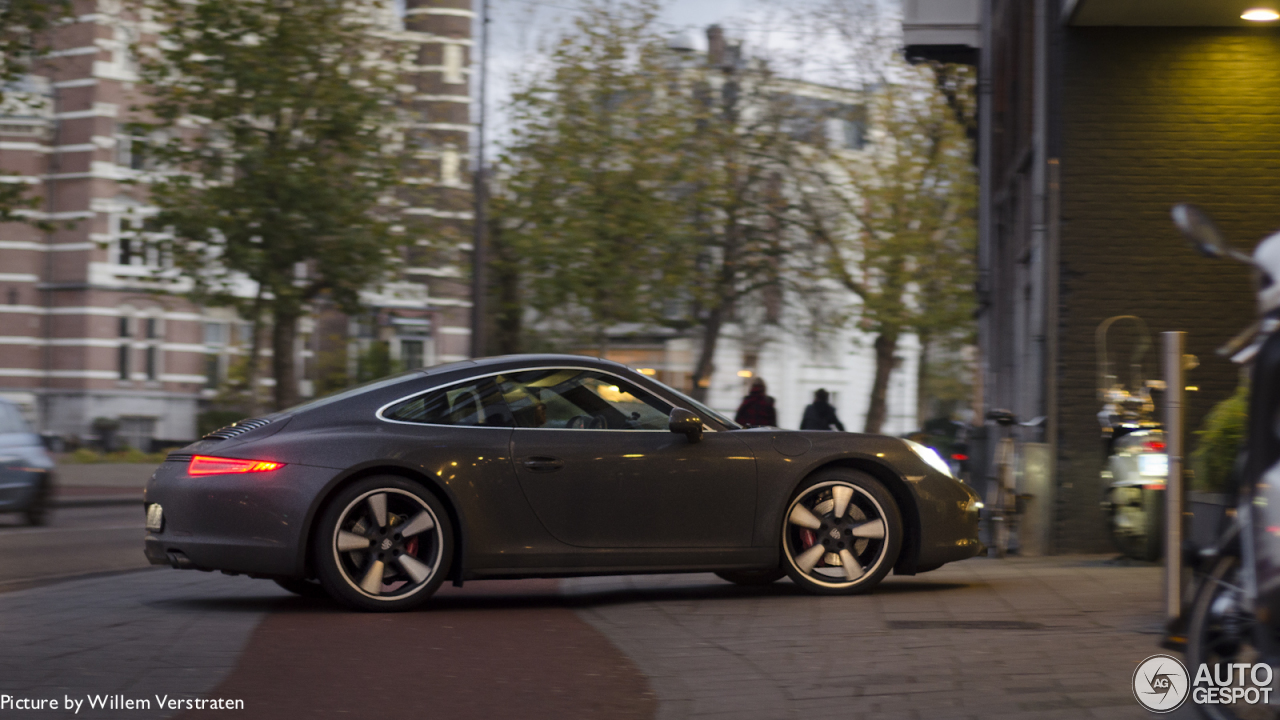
807,538
411,547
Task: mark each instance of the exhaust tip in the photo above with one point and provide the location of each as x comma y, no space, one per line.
179,560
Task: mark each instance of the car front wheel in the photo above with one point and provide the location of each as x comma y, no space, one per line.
841,533
384,544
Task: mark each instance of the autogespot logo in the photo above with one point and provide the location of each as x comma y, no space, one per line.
1161,683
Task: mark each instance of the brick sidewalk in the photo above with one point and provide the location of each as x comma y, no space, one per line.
1026,638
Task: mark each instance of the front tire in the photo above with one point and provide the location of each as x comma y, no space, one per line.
384,544
841,533
1221,633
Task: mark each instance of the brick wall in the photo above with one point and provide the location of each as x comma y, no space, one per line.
1151,117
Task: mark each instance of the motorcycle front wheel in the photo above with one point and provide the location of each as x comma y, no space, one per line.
1220,633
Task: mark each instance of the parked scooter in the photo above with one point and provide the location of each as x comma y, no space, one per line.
1233,620
1136,463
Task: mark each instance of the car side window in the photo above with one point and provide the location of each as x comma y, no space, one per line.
571,399
475,404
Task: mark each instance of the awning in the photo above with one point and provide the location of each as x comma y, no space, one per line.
1150,13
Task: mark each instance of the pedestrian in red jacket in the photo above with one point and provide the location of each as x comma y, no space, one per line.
756,409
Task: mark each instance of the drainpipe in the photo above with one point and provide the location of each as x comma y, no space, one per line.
48,287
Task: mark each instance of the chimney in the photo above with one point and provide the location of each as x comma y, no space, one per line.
715,46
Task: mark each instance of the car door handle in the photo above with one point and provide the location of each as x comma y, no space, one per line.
543,464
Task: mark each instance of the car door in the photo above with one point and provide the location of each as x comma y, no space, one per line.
597,464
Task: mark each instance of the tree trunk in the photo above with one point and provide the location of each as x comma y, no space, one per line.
255,353
886,346
508,315
283,368
922,379
710,336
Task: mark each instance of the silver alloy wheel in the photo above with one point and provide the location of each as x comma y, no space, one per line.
834,534
387,544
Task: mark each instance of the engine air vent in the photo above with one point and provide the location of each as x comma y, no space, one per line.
236,429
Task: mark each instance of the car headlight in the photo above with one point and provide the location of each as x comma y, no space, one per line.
930,456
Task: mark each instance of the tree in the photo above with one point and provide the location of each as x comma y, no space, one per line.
897,223
274,124
24,38
589,218
639,186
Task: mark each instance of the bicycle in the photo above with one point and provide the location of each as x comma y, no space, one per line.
1002,495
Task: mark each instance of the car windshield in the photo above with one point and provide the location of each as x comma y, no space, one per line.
699,406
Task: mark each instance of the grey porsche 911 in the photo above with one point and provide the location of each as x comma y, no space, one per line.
546,466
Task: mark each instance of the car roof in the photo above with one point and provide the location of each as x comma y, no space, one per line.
499,362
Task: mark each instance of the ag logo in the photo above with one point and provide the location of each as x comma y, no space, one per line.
1161,683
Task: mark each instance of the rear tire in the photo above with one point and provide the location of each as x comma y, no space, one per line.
841,533
37,513
303,588
384,544
752,578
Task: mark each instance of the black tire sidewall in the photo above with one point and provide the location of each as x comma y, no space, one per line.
893,531
37,512
331,577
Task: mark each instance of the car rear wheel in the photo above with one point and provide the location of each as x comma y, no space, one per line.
752,577
384,544
303,588
841,533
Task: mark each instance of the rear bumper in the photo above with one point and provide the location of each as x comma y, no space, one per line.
254,523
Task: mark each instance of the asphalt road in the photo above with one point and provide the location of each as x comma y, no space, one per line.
77,541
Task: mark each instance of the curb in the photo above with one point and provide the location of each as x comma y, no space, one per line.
96,501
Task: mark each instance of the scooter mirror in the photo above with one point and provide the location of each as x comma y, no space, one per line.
1198,227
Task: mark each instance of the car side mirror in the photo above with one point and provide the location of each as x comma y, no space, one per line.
686,422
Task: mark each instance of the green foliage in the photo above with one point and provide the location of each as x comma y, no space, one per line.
587,215
210,420
1218,441
375,362
25,27
275,125
898,221
85,456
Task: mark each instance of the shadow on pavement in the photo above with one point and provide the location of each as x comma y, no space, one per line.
542,593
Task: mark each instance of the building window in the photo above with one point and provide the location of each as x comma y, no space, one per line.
449,167
212,374
214,333
138,432
122,361
151,328
453,64
13,296
411,354
153,358
124,327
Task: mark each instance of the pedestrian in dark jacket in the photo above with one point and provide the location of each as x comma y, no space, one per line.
820,415
756,409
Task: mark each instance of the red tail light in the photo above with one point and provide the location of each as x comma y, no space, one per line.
1154,445
204,465
959,457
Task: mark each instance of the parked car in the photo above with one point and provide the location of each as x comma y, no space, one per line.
543,466
26,470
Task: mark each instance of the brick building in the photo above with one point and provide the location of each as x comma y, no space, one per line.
89,329
1096,117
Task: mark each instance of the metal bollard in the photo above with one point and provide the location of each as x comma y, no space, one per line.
1171,358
